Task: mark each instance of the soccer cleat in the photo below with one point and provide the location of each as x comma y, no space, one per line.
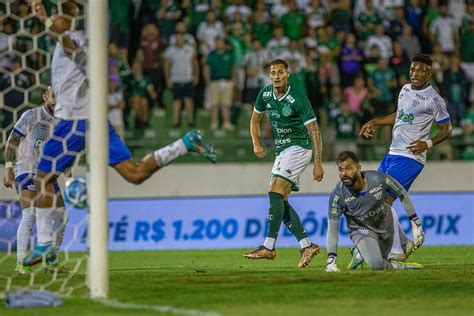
408,248
39,254
307,255
55,267
356,261
194,143
261,253
22,270
410,265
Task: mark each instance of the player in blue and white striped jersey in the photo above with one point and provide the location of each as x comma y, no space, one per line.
23,147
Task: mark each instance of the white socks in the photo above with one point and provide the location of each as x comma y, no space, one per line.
59,217
164,156
44,225
304,243
23,235
396,246
269,243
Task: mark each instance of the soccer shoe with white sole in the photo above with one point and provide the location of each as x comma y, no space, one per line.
261,253
22,270
307,255
410,265
39,254
408,248
356,260
194,143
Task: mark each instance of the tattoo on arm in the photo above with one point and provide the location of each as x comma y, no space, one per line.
317,141
12,146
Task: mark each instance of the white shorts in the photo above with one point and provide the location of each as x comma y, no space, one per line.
290,164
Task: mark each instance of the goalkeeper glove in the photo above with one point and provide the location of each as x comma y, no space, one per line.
331,264
417,230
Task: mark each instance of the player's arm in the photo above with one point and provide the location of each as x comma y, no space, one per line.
57,26
393,187
332,237
258,148
13,142
368,128
315,134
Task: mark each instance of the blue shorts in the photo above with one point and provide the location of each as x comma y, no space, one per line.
26,181
403,169
69,141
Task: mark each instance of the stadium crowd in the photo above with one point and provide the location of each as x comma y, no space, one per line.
349,57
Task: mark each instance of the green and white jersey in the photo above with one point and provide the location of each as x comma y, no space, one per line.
288,115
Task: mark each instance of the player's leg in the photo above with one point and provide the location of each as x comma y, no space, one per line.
189,105
25,186
176,106
227,97
120,156
370,251
214,98
405,170
279,190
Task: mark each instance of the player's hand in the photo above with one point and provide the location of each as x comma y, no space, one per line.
331,265
259,151
418,234
318,171
9,178
418,147
40,10
367,130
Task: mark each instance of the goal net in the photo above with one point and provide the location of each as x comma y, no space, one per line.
26,51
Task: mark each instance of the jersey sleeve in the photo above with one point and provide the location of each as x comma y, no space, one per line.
335,205
306,111
440,110
23,125
392,186
259,104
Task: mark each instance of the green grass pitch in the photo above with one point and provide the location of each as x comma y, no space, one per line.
223,282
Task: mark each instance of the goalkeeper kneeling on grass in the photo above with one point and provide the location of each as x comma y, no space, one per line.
362,197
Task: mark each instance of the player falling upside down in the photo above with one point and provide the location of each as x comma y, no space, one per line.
24,143
295,132
68,73
362,197
419,104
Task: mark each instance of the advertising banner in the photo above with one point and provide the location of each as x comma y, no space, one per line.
240,222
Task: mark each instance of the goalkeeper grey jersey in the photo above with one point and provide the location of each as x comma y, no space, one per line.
367,209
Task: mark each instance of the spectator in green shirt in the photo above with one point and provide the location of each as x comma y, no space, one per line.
293,22
219,75
346,125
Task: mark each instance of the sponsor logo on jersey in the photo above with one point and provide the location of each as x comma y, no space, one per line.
405,117
420,96
39,143
364,231
415,103
376,189
284,130
288,171
282,141
378,195
349,199
267,94
268,106
290,99
371,213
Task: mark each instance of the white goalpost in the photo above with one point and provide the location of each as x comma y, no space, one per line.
98,277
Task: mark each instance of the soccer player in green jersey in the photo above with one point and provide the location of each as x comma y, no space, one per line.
296,133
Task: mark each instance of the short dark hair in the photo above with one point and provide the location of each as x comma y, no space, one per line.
279,61
422,58
343,156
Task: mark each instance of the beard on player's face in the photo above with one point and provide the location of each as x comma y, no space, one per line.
350,180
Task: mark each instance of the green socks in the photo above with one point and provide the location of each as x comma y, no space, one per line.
275,215
293,223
